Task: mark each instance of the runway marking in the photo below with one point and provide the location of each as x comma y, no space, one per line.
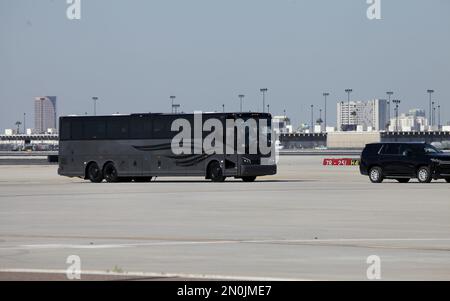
213,242
155,275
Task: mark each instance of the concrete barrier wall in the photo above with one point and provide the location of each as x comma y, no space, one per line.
300,141
352,139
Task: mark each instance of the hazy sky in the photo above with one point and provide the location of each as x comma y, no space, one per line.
133,54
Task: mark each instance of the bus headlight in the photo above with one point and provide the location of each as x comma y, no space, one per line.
246,160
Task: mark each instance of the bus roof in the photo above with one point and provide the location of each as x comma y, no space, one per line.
237,114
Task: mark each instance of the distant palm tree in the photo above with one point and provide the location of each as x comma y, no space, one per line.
18,124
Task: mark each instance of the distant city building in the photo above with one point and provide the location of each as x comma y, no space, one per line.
414,120
318,128
283,123
10,132
303,127
44,113
362,115
417,112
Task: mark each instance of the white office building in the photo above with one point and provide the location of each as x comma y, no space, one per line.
414,120
362,115
282,124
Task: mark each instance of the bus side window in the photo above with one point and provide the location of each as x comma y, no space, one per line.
64,130
118,128
94,129
158,128
162,126
140,128
76,129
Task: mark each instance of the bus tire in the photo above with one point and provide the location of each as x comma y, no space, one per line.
249,179
215,172
93,173
110,173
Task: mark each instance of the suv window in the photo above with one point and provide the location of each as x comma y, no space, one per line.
429,149
391,149
412,149
372,149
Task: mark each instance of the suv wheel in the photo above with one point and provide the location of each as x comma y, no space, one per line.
424,174
376,174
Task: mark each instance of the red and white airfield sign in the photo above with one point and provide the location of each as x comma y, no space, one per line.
341,162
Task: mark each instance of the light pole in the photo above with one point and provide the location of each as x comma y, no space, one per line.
312,118
268,108
24,123
348,91
241,99
94,99
433,116
263,91
223,108
430,112
172,99
176,106
439,117
397,103
320,121
325,96
18,123
389,94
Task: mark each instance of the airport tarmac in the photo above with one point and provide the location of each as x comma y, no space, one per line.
308,222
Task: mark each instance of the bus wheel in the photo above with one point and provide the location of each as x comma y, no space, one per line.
110,173
142,179
215,172
249,179
94,174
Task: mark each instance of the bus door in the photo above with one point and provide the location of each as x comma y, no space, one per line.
231,159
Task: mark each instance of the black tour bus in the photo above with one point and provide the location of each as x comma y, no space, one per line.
137,147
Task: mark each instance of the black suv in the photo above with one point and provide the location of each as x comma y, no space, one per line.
403,161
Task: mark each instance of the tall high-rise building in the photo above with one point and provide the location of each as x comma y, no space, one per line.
365,114
44,113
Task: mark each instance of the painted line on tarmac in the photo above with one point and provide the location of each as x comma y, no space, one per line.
215,242
154,275
117,246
